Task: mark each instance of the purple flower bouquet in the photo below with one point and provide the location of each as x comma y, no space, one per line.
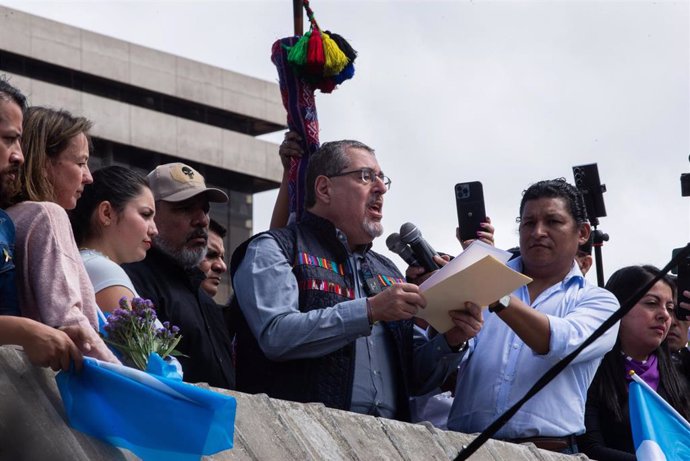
134,331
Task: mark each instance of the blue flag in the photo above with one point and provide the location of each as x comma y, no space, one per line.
660,433
156,418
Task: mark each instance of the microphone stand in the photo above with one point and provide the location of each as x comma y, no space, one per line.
598,239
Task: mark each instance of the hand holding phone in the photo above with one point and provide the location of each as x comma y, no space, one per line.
469,199
683,284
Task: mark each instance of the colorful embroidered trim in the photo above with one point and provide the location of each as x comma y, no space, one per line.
309,260
330,287
388,281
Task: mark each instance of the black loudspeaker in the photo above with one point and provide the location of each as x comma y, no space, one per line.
587,181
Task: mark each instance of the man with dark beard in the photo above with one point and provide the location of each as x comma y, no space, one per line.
322,317
170,278
12,105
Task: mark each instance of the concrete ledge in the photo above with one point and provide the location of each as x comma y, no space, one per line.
32,417
32,427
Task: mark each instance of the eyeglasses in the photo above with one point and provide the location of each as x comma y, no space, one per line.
367,175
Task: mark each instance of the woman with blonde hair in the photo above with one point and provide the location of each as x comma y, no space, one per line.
53,285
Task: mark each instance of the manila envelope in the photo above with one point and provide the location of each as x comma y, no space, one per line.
484,282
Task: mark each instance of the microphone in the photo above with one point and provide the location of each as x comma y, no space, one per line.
410,235
394,244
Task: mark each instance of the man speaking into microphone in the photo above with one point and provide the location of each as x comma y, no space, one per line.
323,317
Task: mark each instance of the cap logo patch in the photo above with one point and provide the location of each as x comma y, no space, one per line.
188,171
185,174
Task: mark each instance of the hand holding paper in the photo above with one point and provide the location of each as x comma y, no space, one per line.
397,302
467,324
478,275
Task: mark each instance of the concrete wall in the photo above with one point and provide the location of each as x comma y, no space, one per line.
107,57
159,132
32,428
125,62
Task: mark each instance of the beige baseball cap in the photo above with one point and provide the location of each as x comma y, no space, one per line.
175,182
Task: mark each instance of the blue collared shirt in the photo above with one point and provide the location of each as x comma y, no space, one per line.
502,368
268,295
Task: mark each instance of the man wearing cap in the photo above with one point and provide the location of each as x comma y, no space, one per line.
170,278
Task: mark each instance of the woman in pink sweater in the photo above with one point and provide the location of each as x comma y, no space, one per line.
53,285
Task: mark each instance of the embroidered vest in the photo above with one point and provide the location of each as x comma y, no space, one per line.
320,265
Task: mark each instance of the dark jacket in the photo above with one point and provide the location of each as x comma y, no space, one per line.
9,304
681,360
179,299
607,438
329,378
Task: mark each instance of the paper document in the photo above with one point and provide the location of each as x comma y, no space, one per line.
478,275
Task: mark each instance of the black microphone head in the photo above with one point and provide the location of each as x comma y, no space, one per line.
394,243
409,232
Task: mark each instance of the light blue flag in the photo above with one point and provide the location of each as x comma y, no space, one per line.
156,418
660,433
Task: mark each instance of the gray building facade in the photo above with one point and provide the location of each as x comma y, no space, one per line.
151,107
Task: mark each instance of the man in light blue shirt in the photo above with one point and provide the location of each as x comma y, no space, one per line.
539,324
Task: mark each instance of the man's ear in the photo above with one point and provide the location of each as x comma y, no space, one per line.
585,263
322,189
583,233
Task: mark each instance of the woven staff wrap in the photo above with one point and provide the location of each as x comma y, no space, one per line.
299,102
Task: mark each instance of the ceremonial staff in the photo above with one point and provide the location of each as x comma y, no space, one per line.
306,62
297,16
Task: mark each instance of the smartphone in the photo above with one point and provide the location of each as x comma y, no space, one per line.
469,199
683,283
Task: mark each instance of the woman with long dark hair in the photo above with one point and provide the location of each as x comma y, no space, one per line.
640,347
113,224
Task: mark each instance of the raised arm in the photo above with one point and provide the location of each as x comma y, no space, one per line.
289,148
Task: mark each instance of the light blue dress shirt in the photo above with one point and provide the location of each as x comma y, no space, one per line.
501,368
268,295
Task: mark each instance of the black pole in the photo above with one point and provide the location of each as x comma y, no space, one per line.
297,16
600,265
598,240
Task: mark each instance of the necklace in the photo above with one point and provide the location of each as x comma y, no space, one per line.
630,359
93,251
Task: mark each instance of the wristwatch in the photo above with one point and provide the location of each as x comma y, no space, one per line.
499,305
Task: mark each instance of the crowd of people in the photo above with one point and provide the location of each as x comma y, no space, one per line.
316,314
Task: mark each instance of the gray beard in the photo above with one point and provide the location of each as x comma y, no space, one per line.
374,229
186,257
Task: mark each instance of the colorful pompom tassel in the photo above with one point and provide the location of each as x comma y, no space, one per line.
343,45
315,55
297,54
326,85
335,60
323,59
347,73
